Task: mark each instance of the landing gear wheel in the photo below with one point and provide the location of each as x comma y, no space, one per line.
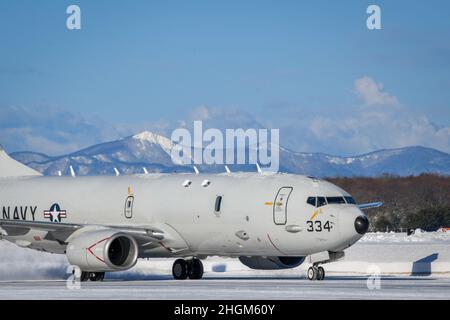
320,273
312,273
180,269
96,276
84,276
195,267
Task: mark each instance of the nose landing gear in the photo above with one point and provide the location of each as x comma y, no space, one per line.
316,273
192,268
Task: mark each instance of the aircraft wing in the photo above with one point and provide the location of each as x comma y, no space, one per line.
61,231
370,205
57,232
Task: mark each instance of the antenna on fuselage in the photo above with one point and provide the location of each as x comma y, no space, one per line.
196,170
72,172
227,169
145,170
116,172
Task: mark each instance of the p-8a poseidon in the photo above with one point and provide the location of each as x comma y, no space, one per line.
105,224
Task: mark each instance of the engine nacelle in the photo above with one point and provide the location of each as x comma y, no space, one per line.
271,263
102,250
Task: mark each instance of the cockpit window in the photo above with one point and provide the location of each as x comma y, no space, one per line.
350,200
335,200
311,201
321,201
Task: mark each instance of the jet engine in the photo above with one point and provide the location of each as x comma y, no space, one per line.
271,263
102,250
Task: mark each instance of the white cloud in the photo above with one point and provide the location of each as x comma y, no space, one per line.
201,113
367,129
223,118
50,130
373,93
381,121
350,131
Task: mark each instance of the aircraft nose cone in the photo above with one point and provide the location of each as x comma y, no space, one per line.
361,224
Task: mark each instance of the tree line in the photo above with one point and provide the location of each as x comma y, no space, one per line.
409,202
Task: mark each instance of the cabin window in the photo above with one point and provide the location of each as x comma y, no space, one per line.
311,201
218,204
335,200
321,201
350,200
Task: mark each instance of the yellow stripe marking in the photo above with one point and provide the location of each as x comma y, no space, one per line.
269,203
315,214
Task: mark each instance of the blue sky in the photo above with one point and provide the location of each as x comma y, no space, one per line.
301,66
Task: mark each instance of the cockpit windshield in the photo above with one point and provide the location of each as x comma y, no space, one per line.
322,201
335,200
350,200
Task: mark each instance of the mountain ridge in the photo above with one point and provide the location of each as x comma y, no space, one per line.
152,151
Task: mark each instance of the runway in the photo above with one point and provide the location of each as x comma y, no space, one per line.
233,288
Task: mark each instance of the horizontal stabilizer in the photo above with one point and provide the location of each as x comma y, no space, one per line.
12,168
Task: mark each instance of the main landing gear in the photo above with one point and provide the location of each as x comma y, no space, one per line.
92,276
190,268
316,273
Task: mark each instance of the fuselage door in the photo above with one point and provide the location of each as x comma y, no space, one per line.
280,205
128,210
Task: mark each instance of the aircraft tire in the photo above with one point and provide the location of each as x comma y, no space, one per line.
312,273
195,267
84,276
320,273
180,269
96,276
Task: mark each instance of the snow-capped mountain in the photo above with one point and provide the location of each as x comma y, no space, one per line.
152,151
402,162
128,155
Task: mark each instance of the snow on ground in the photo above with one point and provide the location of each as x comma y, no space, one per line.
233,288
384,253
423,253
418,236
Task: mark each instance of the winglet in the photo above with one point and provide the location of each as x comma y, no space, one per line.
145,170
258,168
227,169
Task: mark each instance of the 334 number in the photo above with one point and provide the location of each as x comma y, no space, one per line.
318,226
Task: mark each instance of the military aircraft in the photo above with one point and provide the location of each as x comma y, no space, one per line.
106,223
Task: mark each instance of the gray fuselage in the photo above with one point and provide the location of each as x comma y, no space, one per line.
259,215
